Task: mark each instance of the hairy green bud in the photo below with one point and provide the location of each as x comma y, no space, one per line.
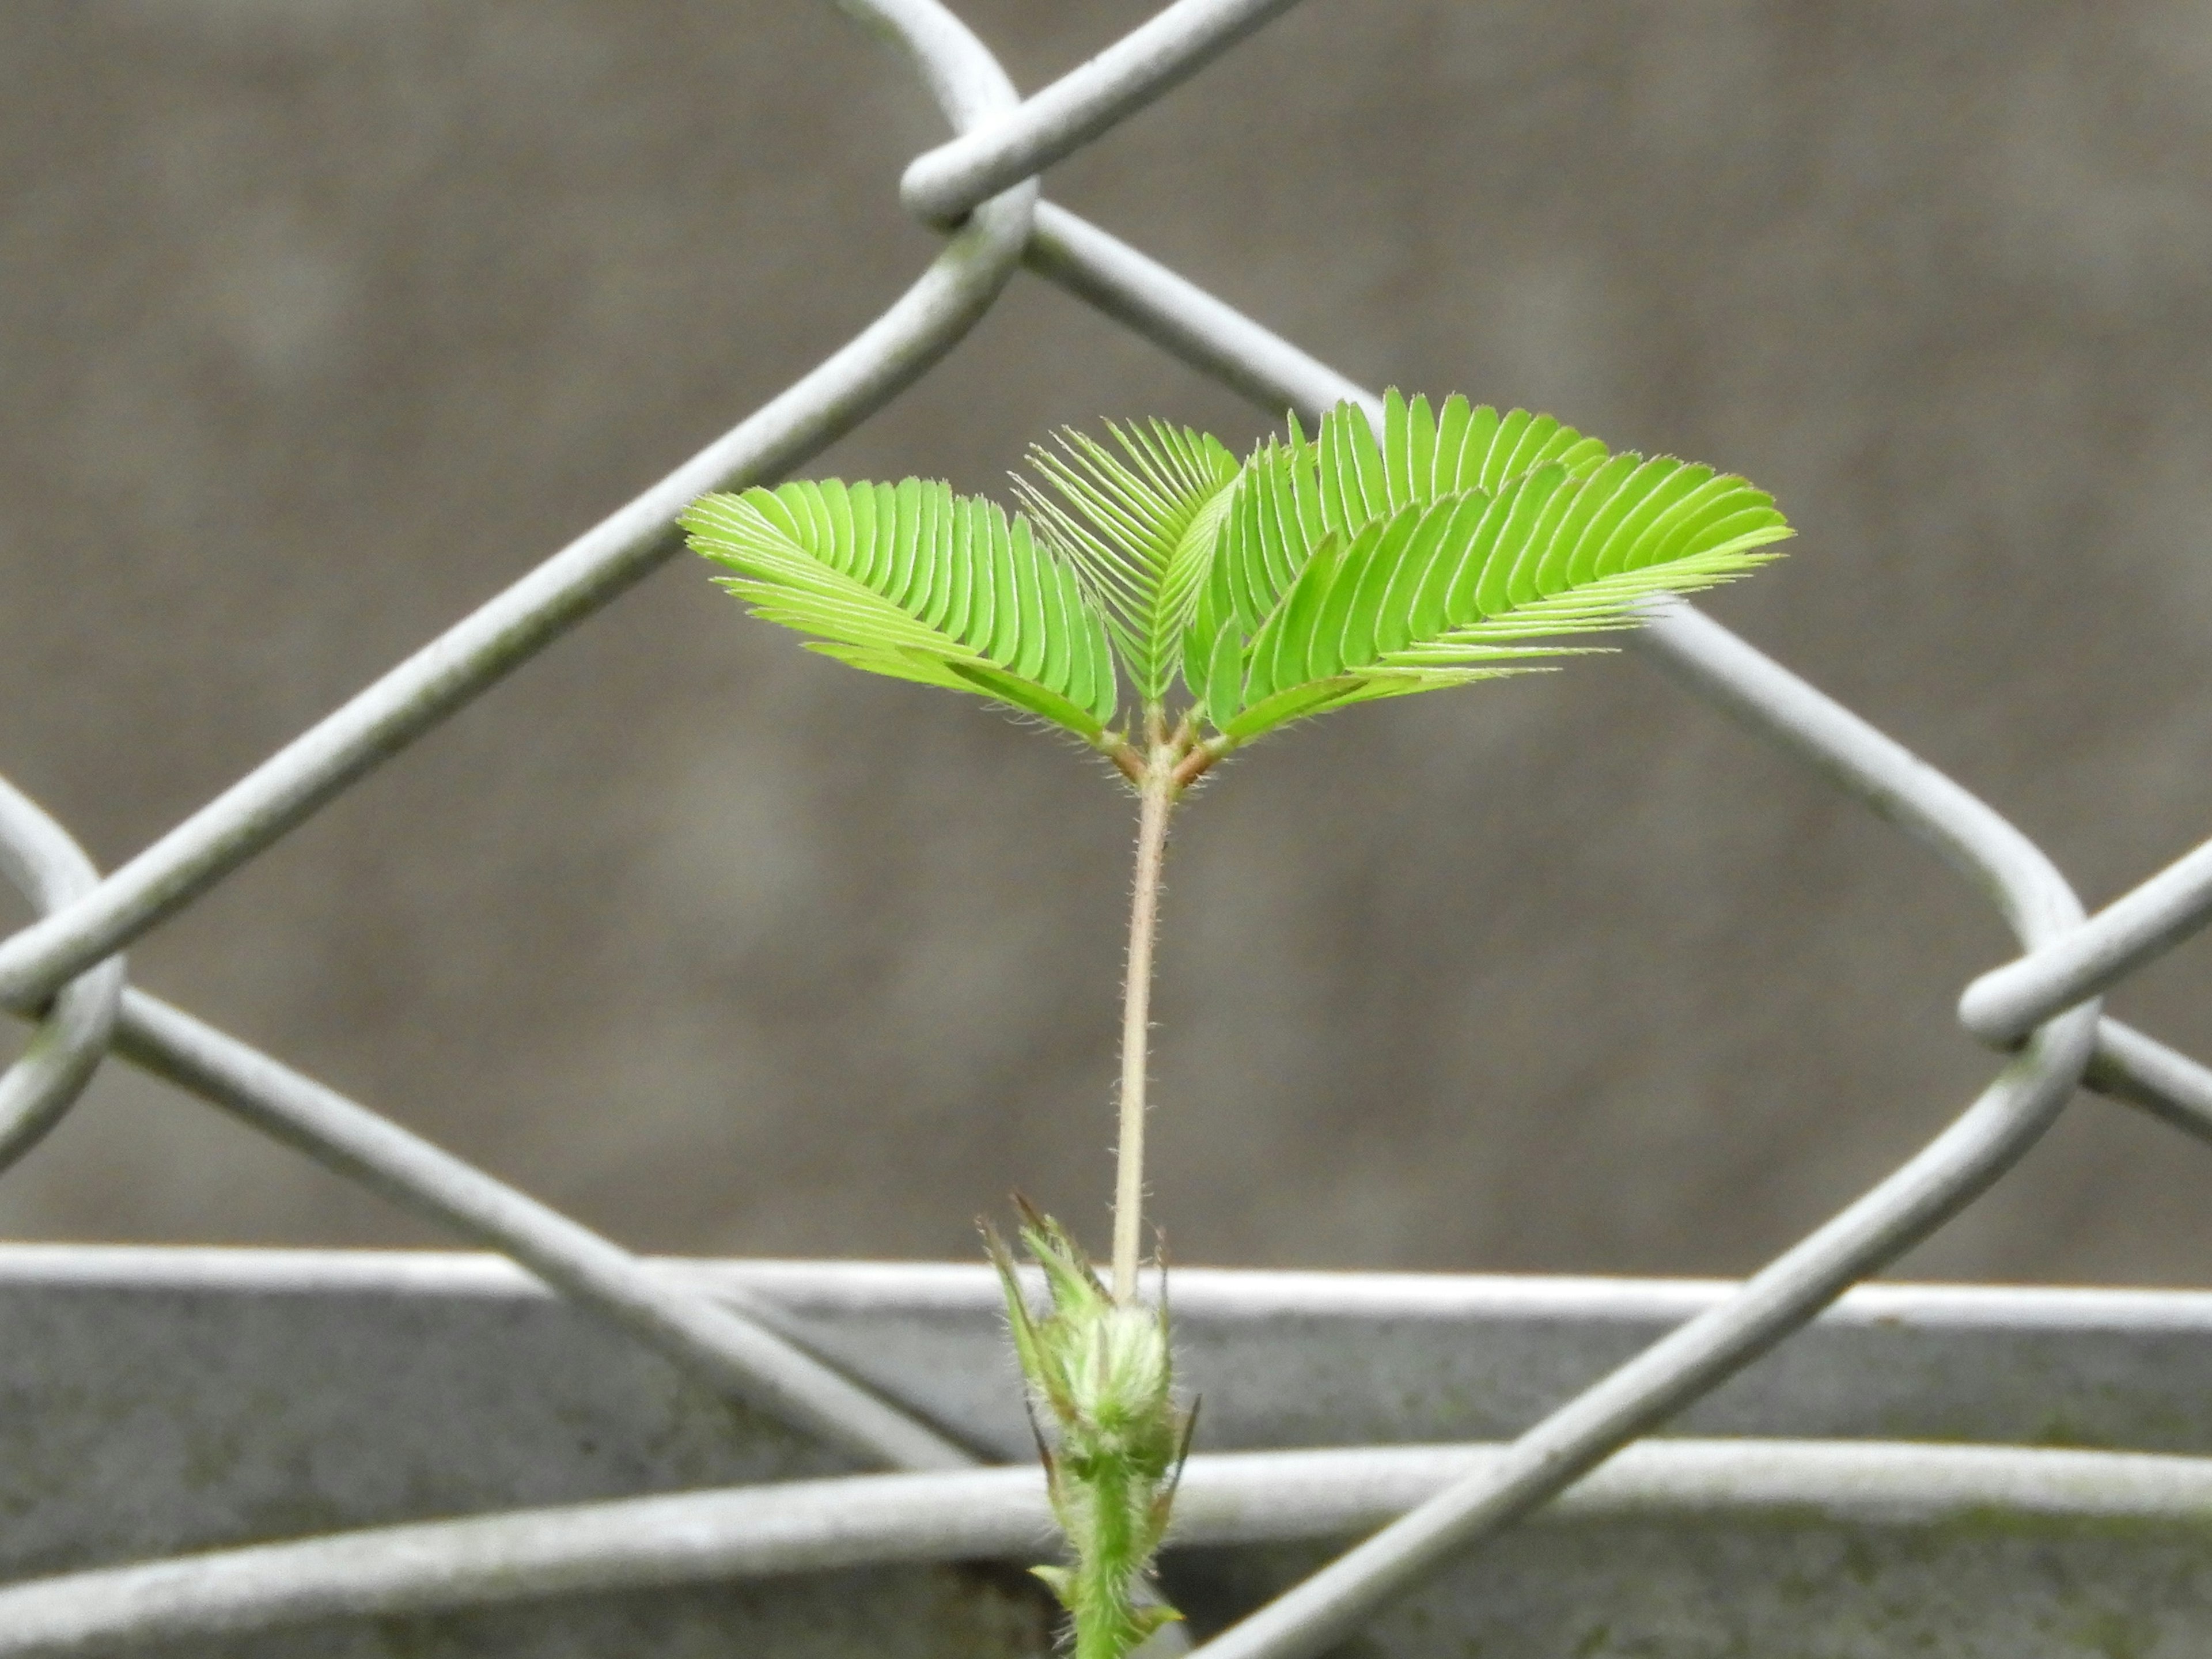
1101,1396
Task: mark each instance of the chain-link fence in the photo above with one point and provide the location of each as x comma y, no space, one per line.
65,973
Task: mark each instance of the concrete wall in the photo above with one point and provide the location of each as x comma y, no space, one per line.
321,320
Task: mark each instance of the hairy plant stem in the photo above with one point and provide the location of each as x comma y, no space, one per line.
1156,792
1106,1589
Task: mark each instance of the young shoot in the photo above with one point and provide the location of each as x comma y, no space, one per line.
1169,604
1098,1365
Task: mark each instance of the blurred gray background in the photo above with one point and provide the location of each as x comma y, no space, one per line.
322,320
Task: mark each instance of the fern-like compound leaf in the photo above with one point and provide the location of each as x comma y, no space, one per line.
1292,494
1459,546
1140,520
1473,585
910,581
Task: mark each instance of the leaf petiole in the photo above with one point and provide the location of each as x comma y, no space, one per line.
1156,792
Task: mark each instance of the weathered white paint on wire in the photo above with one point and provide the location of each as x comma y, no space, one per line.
2145,1072
1244,1498
943,185
40,861
2134,929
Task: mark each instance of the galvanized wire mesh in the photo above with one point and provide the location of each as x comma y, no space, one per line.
65,973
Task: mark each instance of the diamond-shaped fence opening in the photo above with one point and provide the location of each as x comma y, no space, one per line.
1549,1398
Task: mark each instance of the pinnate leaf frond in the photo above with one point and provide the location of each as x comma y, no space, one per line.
1436,586
1139,520
1292,494
910,581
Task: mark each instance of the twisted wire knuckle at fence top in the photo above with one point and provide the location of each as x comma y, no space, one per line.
64,972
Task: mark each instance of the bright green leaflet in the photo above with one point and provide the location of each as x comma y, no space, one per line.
1293,494
1350,568
911,580
1142,526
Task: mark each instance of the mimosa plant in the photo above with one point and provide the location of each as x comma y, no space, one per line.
1169,604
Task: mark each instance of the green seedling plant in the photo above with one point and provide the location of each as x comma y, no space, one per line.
1167,605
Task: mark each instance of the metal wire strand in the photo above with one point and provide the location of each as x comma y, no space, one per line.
40,861
1240,1498
945,184
2144,1072
724,1340
2134,929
